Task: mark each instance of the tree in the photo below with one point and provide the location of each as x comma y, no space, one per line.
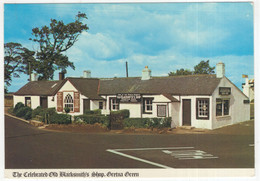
181,72
204,68
53,40
16,61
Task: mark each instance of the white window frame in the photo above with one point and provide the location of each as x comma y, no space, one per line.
69,102
114,103
148,105
203,109
223,107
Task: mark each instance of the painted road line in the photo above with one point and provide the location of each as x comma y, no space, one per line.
251,144
189,154
138,159
143,149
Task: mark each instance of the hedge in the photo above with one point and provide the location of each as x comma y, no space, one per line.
147,122
92,119
60,119
25,112
96,111
18,106
37,111
124,112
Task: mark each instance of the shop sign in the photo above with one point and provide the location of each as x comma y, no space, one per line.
129,97
224,91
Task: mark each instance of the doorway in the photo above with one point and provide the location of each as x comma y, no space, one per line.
186,112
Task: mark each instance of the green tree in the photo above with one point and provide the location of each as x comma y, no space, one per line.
16,61
53,40
204,68
180,72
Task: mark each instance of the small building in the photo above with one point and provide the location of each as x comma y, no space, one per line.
201,101
249,88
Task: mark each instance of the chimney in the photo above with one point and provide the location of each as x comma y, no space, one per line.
146,73
61,75
246,87
86,74
34,77
220,70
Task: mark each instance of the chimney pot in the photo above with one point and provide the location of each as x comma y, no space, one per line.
61,75
146,73
86,74
34,77
220,70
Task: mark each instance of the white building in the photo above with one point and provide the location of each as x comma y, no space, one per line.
201,101
248,88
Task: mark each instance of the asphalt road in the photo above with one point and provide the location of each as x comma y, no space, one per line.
30,147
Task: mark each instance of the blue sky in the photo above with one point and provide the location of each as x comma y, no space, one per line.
164,36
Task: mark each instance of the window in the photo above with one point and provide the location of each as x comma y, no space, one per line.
28,101
161,110
222,107
68,102
100,105
114,104
202,105
148,105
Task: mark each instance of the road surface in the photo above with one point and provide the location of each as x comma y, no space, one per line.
29,147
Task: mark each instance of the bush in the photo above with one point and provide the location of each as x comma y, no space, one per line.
18,106
28,115
88,112
22,111
96,111
60,119
92,119
124,113
147,122
37,111
67,110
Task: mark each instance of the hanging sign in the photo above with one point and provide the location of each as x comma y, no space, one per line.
129,97
224,91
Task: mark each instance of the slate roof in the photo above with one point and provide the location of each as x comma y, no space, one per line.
86,86
177,85
93,87
43,88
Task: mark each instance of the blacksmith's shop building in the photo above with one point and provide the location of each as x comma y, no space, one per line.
201,101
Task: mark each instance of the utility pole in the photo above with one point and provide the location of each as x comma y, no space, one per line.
126,67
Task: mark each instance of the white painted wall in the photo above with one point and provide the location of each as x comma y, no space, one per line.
175,114
238,110
51,102
35,100
198,123
94,104
134,109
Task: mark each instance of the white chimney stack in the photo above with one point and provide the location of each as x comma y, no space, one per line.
34,77
220,70
146,73
86,74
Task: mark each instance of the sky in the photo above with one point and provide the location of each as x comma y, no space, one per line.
163,36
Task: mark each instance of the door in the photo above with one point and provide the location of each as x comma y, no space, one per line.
86,104
43,102
186,112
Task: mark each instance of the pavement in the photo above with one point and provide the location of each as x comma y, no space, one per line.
27,146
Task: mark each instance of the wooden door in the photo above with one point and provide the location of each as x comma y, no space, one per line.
86,104
43,102
186,112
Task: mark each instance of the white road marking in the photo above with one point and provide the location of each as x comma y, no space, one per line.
143,149
189,154
138,159
251,144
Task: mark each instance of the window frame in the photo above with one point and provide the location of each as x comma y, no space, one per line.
203,117
69,104
100,105
146,105
165,110
222,101
113,101
28,99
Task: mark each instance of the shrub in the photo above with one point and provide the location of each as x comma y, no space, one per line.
67,110
37,111
48,112
92,119
60,119
124,113
97,111
23,111
18,106
147,122
28,115
88,112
